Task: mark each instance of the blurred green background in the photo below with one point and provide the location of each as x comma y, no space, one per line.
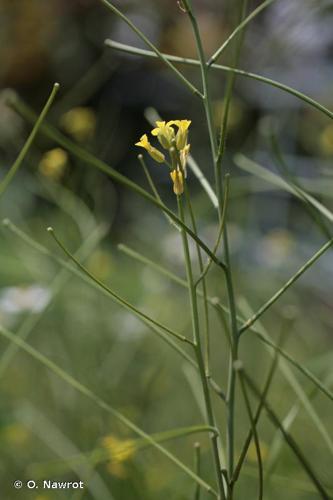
101,106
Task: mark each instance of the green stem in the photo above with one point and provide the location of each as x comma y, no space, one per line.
197,468
233,358
198,352
205,82
220,231
246,74
231,392
204,286
214,150
254,432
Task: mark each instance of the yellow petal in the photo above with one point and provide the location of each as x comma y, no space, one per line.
178,182
159,126
164,133
184,153
143,143
181,137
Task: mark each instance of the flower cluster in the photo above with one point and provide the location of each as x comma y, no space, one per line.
172,136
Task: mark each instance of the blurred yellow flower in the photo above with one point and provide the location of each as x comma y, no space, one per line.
16,434
100,264
252,453
53,163
117,469
153,152
120,450
80,123
326,140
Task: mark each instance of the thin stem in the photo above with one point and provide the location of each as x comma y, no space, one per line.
285,287
205,83
204,286
237,30
197,468
210,124
254,430
246,74
16,165
159,54
198,352
233,357
228,96
221,228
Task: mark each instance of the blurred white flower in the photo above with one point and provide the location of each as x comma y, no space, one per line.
15,300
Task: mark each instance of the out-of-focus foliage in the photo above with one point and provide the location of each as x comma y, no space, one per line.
44,424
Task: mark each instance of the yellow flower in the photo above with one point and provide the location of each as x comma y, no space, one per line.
164,133
172,136
153,152
181,137
178,181
53,163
